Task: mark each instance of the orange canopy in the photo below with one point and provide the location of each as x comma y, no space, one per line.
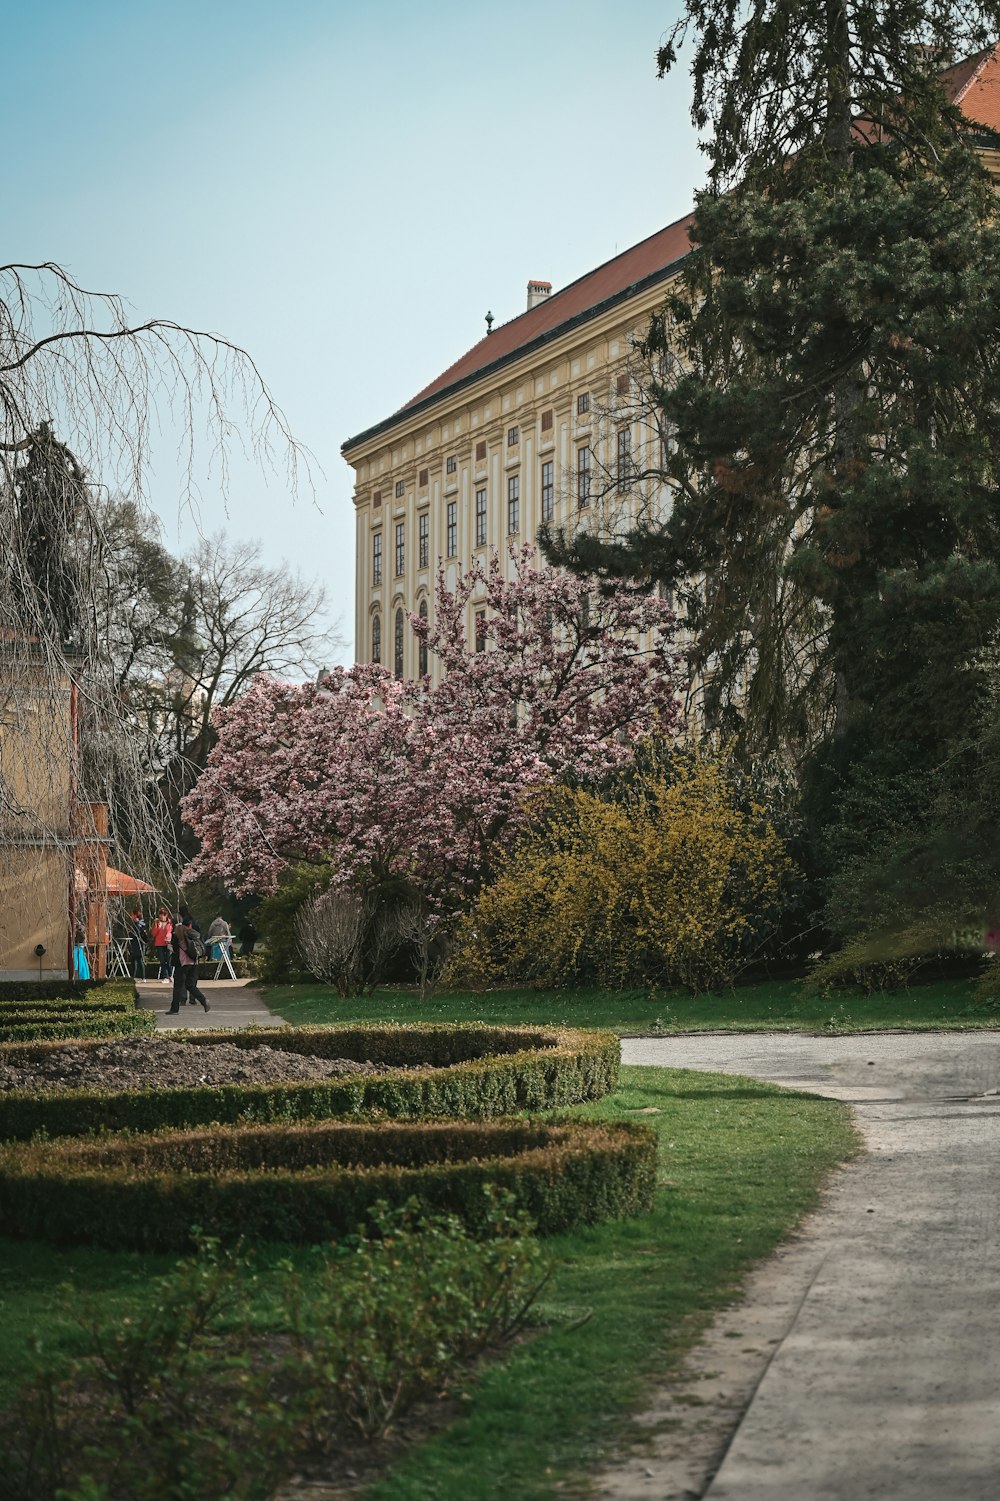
120,884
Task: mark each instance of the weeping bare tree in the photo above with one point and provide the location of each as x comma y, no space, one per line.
82,389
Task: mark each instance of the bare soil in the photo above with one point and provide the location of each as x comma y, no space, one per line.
162,1063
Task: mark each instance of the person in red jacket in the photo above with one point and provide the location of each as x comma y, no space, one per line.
162,933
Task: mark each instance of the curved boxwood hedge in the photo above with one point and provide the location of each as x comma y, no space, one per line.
456,1070
313,1182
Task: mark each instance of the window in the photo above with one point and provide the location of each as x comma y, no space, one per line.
480,452
452,534
422,612
451,464
583,477
548,491
666,443
400,487
480,630
481,517
400,547
423,539
377,499
583,403
422,479
376,557
513,437
621,385
624,457
397,665
514,503
547,421
376,638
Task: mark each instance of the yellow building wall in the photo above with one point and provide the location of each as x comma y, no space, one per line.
36,835
538,396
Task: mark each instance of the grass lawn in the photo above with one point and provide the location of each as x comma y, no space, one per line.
777,1006
740,1163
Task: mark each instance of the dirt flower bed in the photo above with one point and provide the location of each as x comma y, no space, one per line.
156,1062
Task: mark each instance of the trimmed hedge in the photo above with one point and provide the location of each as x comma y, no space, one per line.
108,1010
61,990
315,1182
73,1026
456,1070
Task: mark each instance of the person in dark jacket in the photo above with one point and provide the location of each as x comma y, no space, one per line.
186,954
135,926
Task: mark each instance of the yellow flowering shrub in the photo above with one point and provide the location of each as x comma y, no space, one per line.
676,882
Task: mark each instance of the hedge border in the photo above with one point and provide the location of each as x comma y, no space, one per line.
76,1026
294,1184
510,1070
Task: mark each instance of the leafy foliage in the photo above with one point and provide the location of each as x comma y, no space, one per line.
671,882
188,1397
407,789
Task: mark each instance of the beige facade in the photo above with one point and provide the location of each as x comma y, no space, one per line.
53,849
36,838
553,429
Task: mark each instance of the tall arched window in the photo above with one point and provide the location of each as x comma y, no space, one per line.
398,663
423,644
376,638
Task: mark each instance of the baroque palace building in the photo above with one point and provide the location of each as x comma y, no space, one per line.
544,420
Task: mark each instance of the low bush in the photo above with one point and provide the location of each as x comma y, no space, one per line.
316,1182
105,1010
190,1397
64,990
73,1025
442,1070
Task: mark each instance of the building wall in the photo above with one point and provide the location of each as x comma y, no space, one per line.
36,836
464,443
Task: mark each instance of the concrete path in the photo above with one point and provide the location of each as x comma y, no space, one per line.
233,1004
868,1362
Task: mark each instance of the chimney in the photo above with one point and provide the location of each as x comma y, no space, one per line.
537,292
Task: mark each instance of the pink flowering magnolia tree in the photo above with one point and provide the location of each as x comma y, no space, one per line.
408,784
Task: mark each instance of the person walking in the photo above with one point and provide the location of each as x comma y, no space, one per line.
248,939
163,930
188,947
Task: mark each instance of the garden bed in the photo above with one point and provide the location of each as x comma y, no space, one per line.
317,1182
104,1010
417,1071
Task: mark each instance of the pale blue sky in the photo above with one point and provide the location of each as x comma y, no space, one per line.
343,188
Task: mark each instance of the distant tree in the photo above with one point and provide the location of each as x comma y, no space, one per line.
81,385
241,617
408,790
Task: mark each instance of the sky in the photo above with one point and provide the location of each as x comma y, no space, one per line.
344,189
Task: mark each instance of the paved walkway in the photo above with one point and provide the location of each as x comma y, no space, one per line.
869,1347
234,1004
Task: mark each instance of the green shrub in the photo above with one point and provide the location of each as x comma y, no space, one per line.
64,990
443,1070
74,1025
316,1182
188,1397
109,1009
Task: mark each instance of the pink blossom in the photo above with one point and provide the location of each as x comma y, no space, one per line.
384,780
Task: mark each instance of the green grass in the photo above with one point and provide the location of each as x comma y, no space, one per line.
778,1006
740,1163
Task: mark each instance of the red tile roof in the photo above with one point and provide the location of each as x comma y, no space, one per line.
974,84
651,260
